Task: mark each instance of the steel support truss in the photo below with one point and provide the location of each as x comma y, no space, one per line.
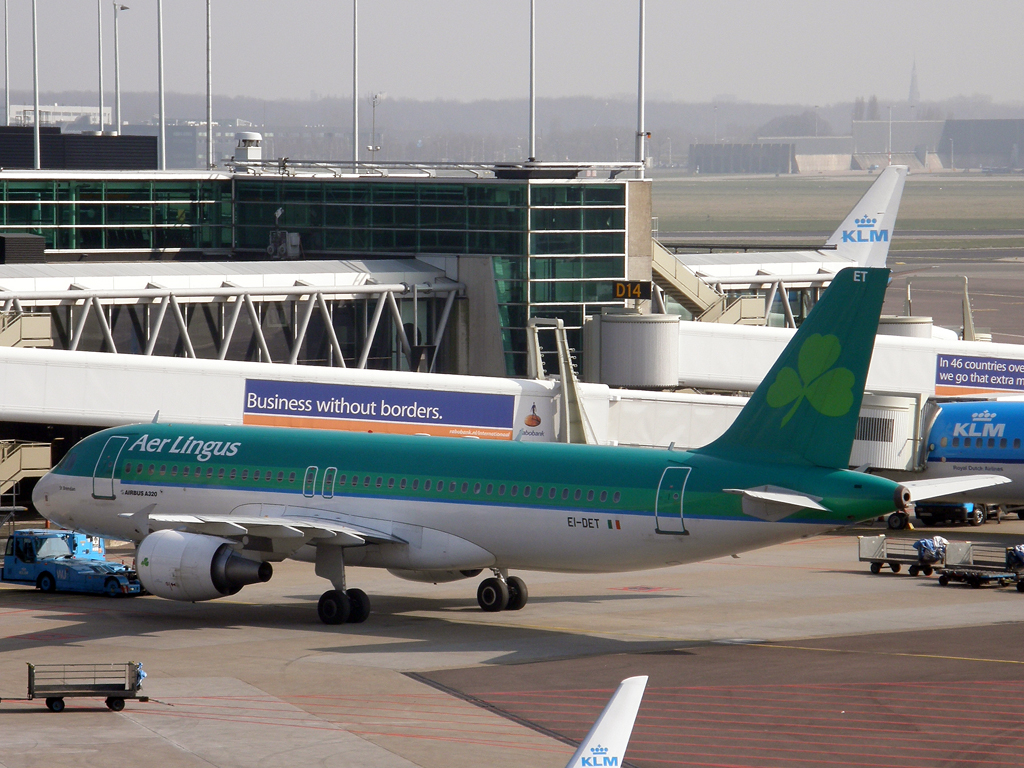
308,299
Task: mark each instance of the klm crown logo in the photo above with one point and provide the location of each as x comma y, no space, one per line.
599,759
866,224
984,416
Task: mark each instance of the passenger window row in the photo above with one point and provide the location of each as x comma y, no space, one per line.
333,482
980,442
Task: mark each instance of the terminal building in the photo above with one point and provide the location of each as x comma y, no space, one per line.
524,241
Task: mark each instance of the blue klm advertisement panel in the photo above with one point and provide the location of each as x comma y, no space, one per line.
378,409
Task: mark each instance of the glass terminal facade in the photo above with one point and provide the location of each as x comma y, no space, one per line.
556,245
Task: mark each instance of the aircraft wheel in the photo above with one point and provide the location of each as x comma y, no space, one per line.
115,704
876,568
897,521
111,587
334,607
360,605
46,582
492,595
55,704
517,593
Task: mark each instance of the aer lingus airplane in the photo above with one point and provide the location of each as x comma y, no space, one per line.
211,507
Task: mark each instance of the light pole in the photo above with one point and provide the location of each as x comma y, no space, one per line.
7,71
355,84
640,130
160,72
952,167
815,121
99,48
117,72
890,134
533,82
35,89
376,99
209,86
716,124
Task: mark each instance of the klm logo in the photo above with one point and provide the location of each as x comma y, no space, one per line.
865,232
599,758
980,425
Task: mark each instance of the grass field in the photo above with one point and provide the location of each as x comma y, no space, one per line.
970,208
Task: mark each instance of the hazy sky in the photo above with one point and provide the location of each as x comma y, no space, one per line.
787,51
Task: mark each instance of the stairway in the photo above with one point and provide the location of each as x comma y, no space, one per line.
19,460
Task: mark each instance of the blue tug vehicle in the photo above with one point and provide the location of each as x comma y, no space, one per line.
65,561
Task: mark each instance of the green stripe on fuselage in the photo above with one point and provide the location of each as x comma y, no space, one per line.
628,477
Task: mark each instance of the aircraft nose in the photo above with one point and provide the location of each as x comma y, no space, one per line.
41,495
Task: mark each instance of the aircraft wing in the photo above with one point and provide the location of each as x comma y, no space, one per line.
609,736
772,503
296,527
944,486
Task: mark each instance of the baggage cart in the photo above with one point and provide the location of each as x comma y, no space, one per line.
895,553
114,682
979,564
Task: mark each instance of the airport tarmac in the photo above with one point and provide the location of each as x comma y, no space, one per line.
792,655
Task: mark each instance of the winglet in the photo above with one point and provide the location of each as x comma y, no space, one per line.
156,417
608,738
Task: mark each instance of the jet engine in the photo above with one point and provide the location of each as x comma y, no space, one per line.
902,498
190,567
434,577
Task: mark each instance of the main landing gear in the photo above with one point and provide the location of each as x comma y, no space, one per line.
350,606
502,592
339,605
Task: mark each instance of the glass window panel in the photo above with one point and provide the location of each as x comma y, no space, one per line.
556,194
604,242
392,193
497,242
510,291
604,218
552,218
566,242
604,194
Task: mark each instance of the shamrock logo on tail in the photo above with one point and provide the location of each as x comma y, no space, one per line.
828,390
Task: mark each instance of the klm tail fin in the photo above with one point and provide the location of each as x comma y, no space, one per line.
865,235
806,409
609,736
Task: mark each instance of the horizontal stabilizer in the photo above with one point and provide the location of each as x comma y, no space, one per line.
944,486
772,503
608,738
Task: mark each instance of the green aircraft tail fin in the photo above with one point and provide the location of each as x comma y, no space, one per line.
806,409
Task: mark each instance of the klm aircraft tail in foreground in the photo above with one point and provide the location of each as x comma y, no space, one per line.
806,409
865,234
605,745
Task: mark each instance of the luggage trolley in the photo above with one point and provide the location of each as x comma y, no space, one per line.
978,564
921,556
115,682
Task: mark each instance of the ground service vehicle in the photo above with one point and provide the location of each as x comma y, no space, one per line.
66,561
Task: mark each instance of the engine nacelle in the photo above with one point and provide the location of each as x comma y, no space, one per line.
434,577
902,498
190,567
